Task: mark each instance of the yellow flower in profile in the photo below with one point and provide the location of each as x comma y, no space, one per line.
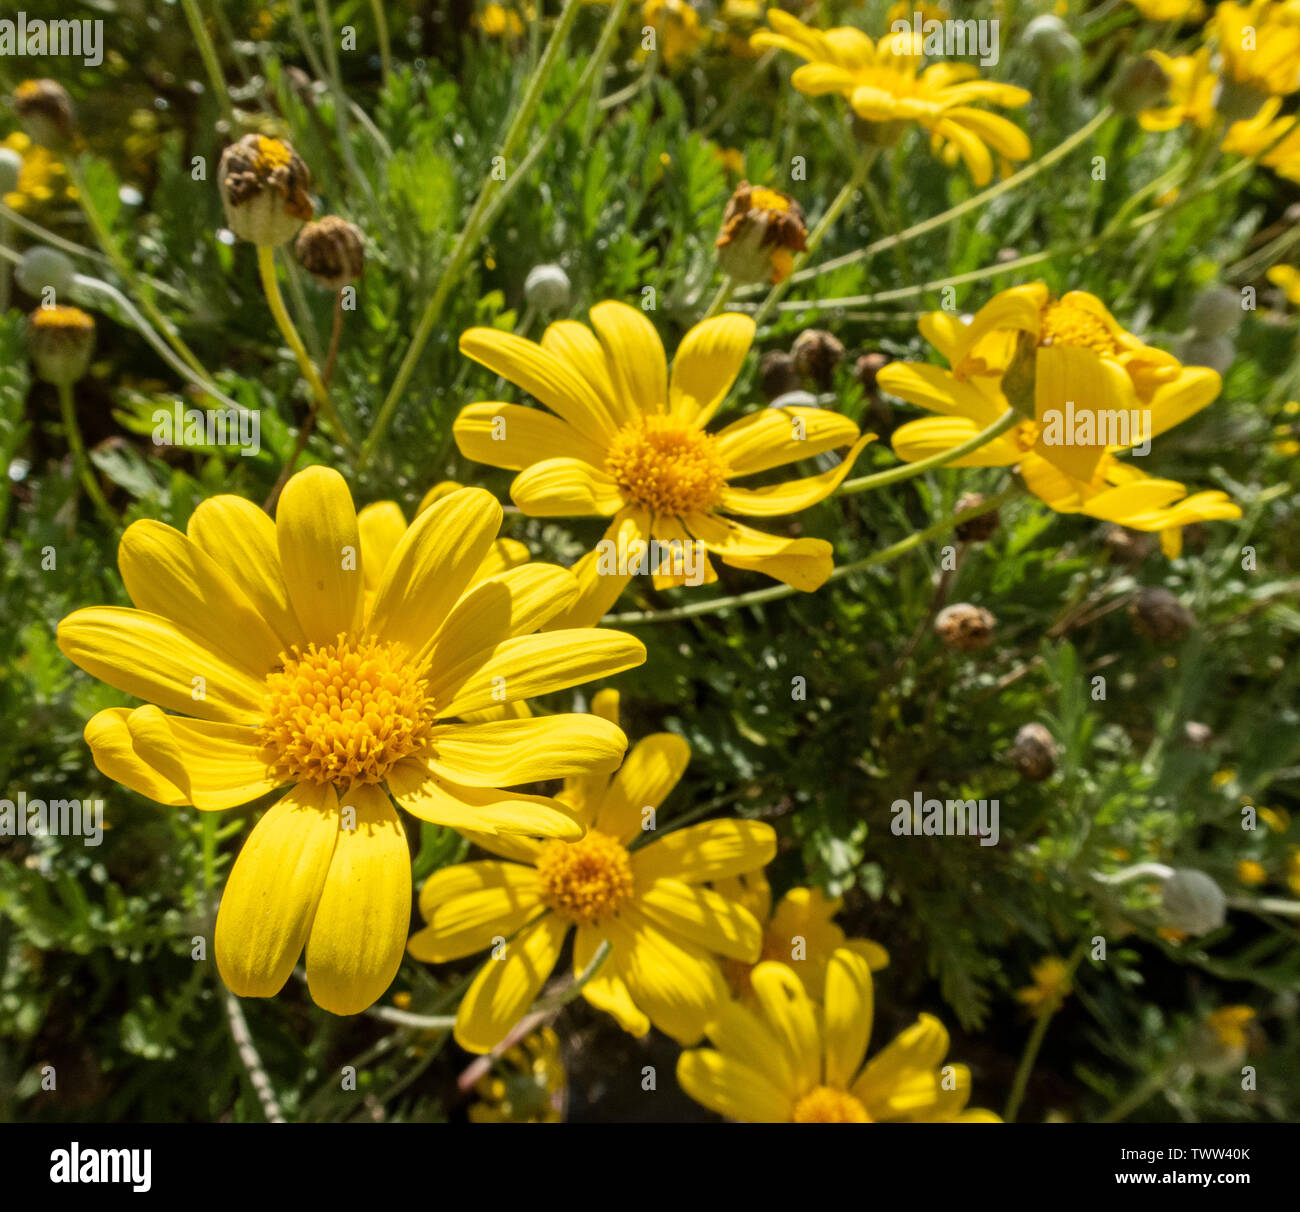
1277,819
528,1084
497,21
677,27
887,89
1190,97
800,932
1288,278
651,903
1276,140
1251,873
1259,47
1089,390
1051,985
628,442
1230,1025
1170,10
270,665
791,1059
41,178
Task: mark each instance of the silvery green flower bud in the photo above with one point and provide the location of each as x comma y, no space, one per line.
60,340
1049,39
1218,353
1142,84
547,288
43,267
1215,312
11,167
1192,902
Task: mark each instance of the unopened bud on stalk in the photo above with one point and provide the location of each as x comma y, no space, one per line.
867,367
816,354
264,185
1034,753
60,340
1218,353
1142,84
1215,312
1158,615
547,288
44,269
332,251
979,528
1051,41
776,374
964,627
45,110
1192,902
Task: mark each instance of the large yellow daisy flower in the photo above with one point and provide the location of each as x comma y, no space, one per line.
800,931
1259,45
628,442
1084,367
650,903
885,86
792,1060
263,662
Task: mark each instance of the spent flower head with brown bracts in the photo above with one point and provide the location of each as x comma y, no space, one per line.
264,188
762,229
332,250
264,658
45,110
628,442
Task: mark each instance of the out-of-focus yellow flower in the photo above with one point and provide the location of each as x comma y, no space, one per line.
732,158
887,89
1288,278
1276,140
1170,10
1221,778
1229,1024
800,931
1277,819
1259,47
1293,870
41,178
1190,97
1051,985
497,21
528,1084
677,27
1251,873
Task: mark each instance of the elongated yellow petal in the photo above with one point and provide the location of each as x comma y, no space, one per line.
565,488
273,890
513,436
732,1089
918,1050
599,582
607,990
114,754
706,365
651,770
776,436
634,354
483,810
509,753
579,347
802,563
381,527
848,1009
708,851
793,495
742,1034
359,933
929,436
701,916
790,1013
471,906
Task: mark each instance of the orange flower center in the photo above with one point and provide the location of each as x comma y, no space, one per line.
587,880
666,467
1068,324
272,154
344,713
826,1105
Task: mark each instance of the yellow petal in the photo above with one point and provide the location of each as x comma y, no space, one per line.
472,906
634,354
790,1013
597,590
320,553
273,890
114,755
607,990
652,769
918,1050
359,932
773,437
732,1089
802,563
939,390
381,526
565,488
711,850
706,365
578,346
513,436
510,753
701,916
848,1009
929,436
793,495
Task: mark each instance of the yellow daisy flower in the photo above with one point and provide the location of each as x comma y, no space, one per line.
529,1084
497,21
1085,369
1051,985
263,662
650,903
1288,278
800,932
1170,10
887,89
1277,138
1230,1025
1251,873
793,1060
1259,47
628,442
41,176
1191,94
677,25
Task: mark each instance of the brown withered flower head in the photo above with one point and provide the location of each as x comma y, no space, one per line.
964,627
45,110
264,185
762,229
331,250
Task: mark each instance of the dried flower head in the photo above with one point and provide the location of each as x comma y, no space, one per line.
264,185
1158,615
762,229
982,526
45,110
964,627
331,250
1034,753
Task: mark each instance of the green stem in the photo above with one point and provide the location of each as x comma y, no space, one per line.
210,62
385,45
321,397
1138,1095
1035,1041
720,299
72,432
906,471
776,592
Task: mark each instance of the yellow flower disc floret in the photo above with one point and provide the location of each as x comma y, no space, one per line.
344,713
666,467
1065,323
587,880
826,1105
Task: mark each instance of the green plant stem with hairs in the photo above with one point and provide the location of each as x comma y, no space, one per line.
72,433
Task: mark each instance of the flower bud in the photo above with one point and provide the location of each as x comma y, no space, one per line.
1215,312
1192,902
1034,753
60,340
776,374
332,251
981,527
45,268
264,185
11,169
1218,353
1142,84
45,110
1049,39
816,354
547,288
867,367
964,627
762,229
1160,616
